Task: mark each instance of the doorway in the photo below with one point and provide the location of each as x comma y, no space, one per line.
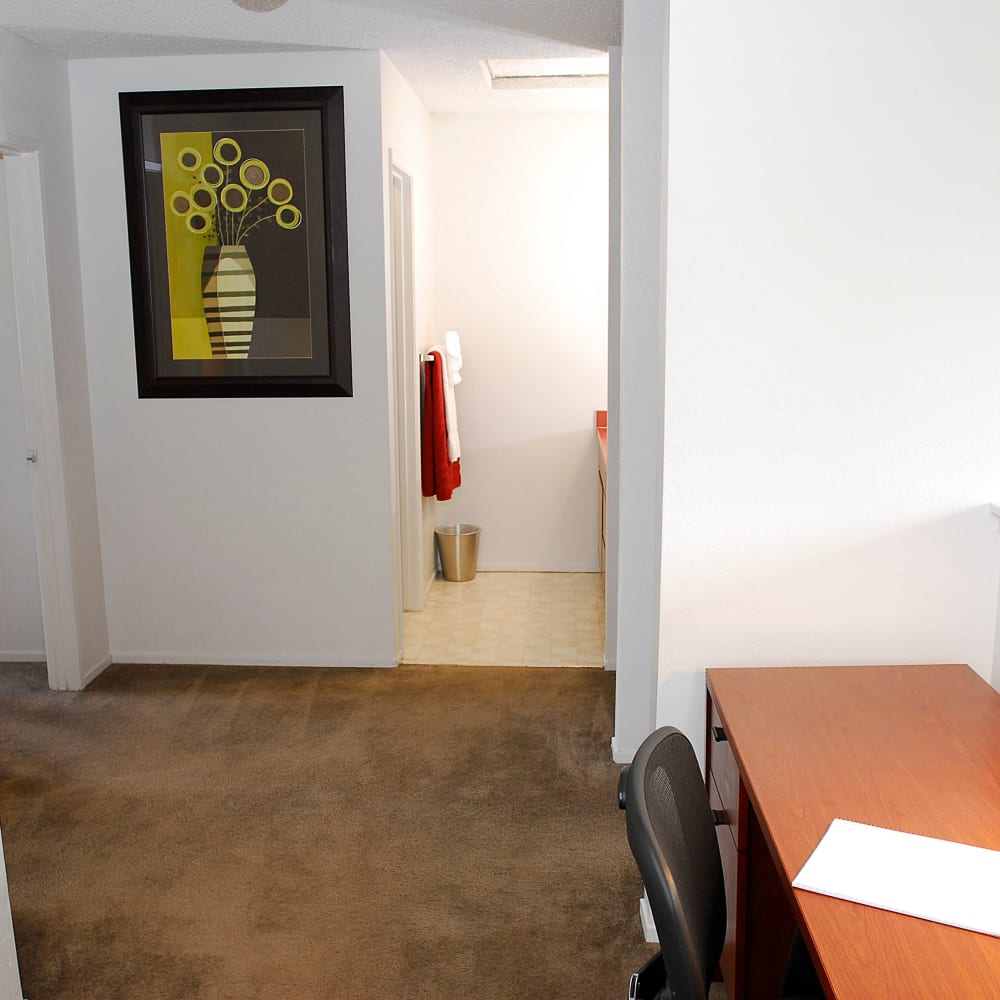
511,619
407,390
22,233
519,207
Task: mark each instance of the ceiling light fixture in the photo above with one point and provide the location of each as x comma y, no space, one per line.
260,6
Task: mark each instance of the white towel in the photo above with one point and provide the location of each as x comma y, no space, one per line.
454,349
450,414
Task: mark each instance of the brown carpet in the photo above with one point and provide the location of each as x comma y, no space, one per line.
221,833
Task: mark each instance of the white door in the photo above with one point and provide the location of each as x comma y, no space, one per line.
21,632
407,394
22,229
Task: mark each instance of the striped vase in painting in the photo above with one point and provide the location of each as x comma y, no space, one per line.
229,295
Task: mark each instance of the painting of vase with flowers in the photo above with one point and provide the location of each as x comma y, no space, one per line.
216,198
238,242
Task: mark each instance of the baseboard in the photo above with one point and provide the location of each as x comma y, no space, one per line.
96,670
488,567
646,916
22,656
247,660
618,755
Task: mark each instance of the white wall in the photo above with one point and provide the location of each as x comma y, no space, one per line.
10,983
638,435
520,251
238,530
21,636
35,114
611,532
832,349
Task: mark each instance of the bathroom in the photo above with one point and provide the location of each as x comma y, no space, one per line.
518,217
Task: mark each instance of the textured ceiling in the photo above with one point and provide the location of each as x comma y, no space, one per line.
436,44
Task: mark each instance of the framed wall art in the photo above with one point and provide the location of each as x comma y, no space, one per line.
237,222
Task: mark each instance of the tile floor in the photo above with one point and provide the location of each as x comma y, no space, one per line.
510,619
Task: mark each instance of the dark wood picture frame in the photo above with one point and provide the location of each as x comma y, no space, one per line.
237,220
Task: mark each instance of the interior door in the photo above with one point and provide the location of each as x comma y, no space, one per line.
21,632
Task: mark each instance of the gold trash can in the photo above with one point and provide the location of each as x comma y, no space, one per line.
458,547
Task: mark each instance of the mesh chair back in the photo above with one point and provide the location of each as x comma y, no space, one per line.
672,836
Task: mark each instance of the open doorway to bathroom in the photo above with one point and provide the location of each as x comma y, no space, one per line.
520,270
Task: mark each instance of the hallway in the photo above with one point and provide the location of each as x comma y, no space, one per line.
510,619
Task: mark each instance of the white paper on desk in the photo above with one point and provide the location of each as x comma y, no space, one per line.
934,879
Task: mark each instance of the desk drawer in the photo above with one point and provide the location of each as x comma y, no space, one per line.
718,805
725,775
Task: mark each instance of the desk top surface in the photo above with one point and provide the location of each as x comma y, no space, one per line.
912,748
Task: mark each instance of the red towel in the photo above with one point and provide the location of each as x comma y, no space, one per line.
438,476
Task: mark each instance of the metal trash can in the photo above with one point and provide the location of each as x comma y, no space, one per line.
458,547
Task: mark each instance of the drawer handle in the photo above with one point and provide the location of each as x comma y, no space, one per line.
719,817
719,734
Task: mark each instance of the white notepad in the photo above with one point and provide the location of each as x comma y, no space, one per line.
933,879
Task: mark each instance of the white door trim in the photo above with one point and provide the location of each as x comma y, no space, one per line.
10,981
407,379
44,437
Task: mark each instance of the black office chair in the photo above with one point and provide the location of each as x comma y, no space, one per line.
671,832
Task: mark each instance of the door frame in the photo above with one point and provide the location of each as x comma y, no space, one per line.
406,369
33,320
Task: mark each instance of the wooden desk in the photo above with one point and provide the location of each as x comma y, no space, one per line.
913,748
